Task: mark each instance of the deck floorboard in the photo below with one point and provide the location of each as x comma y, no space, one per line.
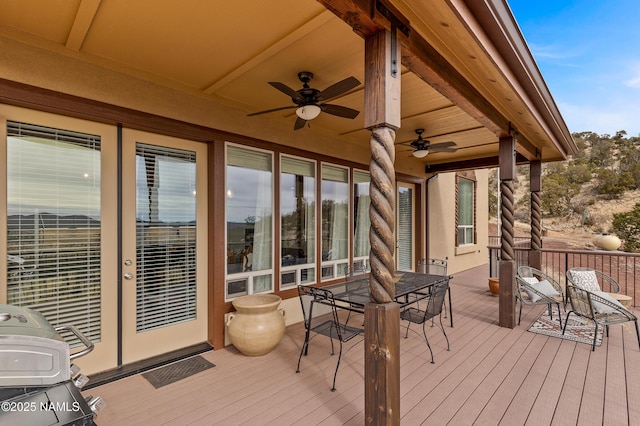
491,376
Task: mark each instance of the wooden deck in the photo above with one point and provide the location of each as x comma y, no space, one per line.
491,376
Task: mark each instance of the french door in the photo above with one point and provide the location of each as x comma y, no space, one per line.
164,254
131,275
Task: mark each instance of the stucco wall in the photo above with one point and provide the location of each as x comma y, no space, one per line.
65,73
441,204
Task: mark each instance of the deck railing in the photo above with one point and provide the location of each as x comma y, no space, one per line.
623,267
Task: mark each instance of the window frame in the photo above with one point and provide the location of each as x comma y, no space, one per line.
363,259
310,267
334,266
463,228
247,278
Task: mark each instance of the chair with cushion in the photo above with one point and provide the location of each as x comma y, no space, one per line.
535,287
592,280
321,317
435,302
599,307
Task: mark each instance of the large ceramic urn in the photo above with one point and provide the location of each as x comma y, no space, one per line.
257,326
607,241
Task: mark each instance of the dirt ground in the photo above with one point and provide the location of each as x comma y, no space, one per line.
570,239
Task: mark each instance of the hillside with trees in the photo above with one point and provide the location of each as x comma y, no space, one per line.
596,191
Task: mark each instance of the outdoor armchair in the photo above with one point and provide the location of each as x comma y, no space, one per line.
535,287
321,318
600,308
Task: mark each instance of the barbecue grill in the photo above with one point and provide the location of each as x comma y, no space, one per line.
39,385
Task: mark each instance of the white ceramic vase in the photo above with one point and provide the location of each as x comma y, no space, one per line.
257,326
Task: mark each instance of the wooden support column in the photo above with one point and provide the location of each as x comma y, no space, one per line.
535,186
507,265
382,316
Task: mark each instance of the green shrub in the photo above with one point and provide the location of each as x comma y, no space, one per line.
626,226
611,184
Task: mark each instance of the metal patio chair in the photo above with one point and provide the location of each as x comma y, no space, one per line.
321,317
435,302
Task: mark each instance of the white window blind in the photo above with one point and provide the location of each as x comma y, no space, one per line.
405,229
53,224
297,166
334,173
165,236
247,158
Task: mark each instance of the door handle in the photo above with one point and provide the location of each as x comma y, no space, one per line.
128,276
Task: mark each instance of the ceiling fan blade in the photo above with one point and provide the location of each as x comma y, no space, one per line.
299,124
443,149
272,110
338,89
340,111
287,90
442,145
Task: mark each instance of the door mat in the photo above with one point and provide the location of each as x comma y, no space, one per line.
578,329
171,373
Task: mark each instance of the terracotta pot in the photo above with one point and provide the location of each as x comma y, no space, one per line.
257,326
607,242
494,286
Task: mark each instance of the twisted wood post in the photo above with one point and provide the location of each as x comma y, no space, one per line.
507,264
382,316
535,184
536,221
507,228
381,213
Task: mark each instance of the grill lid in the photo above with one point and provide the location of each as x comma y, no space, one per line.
20,321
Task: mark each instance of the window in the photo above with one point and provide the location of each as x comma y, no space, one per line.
249,210
361,221
405,227
465,217
335,221
297,222
54,224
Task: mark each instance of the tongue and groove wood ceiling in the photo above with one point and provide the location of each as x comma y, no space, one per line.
228,51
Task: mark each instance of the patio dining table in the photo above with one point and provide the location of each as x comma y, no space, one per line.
410,287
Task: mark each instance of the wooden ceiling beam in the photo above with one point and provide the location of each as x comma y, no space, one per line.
423,60
476,163
527,149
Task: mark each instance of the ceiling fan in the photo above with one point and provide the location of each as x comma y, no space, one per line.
308,101
422,147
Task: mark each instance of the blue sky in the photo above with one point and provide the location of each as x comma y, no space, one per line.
589,54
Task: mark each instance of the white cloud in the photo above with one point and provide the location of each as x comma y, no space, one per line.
553,52
634,82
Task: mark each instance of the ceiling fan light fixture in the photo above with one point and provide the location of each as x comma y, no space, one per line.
420,153
308,112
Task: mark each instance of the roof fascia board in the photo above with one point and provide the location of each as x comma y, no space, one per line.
498,22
